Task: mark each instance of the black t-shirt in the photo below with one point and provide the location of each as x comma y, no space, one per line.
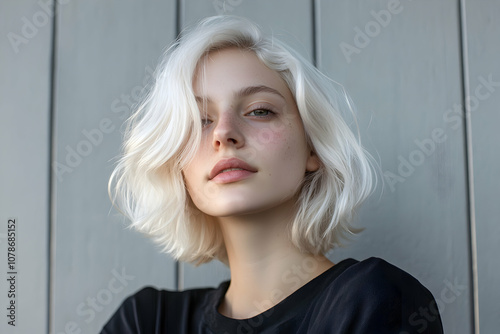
352,297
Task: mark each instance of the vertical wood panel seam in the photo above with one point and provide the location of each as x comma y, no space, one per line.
314,33
178,21
51,179
317,33
179,279
469,166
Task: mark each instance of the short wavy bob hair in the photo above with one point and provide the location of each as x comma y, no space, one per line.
164,133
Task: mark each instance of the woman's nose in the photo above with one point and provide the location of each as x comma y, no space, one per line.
227,131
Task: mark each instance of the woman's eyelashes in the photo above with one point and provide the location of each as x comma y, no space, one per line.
260,113
205,122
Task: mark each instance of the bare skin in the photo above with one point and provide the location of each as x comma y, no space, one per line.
262,127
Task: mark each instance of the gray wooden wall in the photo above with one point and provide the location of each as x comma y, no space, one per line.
425,78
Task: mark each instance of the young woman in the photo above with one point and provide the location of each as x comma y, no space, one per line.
239,153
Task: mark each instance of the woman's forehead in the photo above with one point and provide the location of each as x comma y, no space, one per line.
234,69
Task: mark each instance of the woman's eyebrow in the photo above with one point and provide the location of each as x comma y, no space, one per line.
246,91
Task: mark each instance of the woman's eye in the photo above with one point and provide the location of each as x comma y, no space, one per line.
205,122
260,112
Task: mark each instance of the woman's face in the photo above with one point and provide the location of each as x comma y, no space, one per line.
253,153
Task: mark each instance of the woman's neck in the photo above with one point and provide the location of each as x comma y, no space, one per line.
265,266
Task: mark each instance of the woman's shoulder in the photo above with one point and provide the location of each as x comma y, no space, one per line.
376,279
146,295
150,308
378,272
383,296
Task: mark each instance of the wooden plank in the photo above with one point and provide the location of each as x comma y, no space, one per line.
482,30
272,17
106,53
25,55
400,61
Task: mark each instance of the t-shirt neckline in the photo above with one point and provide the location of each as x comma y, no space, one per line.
280,312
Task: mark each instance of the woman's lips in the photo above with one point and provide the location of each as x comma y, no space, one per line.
232,176
231,170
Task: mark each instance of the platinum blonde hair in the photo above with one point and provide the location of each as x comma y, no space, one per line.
164,133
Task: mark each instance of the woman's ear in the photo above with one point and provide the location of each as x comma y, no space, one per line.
312,163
